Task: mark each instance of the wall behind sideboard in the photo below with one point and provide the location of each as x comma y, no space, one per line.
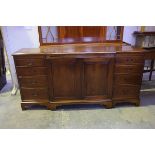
17,37
128,36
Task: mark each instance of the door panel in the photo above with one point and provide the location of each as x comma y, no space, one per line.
98,78
65,82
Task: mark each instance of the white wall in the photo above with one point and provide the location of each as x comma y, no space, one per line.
17,37
149,28
128,33
128,36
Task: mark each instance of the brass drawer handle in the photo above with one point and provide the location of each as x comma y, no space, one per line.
129,69
30,64
34,94
125,79
125,91
129,60
33,71
34,82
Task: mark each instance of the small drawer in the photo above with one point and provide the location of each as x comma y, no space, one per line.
129,60
137,69
34,94
128,79
28,55
35,81
126,91
30,62
31,71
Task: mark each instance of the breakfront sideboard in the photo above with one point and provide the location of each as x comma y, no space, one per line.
89,73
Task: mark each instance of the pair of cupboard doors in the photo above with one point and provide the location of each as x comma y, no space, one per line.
76,78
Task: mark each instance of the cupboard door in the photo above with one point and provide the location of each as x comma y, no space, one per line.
98,78
64,79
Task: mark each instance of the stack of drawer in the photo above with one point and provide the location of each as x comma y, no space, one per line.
32,77
128,76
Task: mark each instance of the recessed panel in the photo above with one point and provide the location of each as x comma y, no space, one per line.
96,79
64,83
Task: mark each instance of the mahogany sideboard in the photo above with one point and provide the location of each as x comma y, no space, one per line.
92,73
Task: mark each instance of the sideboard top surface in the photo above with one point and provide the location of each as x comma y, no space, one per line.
80,49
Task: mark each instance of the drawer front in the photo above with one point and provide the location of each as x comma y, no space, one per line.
126,91
34,94
35,81
137,69
30,62
129,60
29,56
31,71
127,79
